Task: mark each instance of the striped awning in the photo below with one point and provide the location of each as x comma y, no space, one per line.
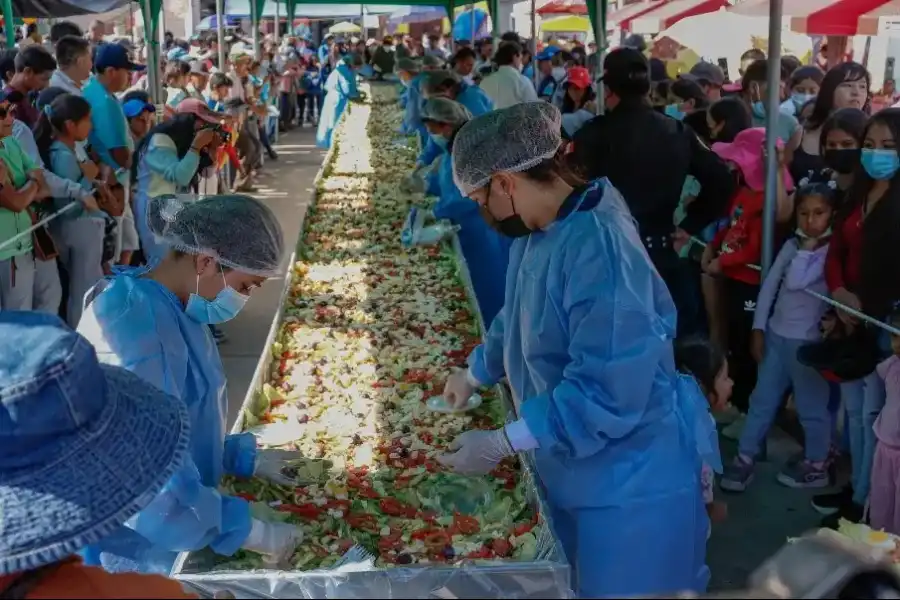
623,17
671,12
843,17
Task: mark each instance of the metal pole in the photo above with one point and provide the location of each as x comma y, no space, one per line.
362,22
152,54
471,23
600,40
277,20
220,34
162,26
534,45
254,23
773,102
8,25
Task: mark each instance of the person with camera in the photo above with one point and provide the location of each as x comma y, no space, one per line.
169,159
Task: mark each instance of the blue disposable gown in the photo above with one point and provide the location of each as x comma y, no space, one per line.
486,251
340,87
138,324
473,98
585,339
412,116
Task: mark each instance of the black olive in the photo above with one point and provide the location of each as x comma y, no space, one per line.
406,429
404,559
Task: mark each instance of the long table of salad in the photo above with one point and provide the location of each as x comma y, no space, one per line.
367,333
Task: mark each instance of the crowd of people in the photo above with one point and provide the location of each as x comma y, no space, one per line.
616,260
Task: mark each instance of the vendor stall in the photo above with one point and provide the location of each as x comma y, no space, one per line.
367,331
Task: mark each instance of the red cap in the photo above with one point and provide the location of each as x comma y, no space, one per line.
579,77
199,109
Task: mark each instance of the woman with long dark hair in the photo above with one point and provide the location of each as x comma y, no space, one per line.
863,273
727,118
840,141
844,86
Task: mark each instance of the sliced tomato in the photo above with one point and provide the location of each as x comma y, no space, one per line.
437,540
426,436
417,376
394,508
501,547
483,552
364,522
338,505
246,496
344,545
304,511
429,516
368,493
522,529
465,524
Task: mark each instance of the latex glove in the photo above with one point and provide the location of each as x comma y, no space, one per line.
458,388
288,467
477,452
414,183
275,540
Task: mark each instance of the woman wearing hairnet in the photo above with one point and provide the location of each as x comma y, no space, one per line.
486,251
154,323
340,88
585,340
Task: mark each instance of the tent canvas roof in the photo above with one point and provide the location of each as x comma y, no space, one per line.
64,8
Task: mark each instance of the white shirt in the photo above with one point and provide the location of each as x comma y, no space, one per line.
61,80
507,86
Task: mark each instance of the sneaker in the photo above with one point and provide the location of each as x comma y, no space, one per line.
803,474
830,504
852,512
737,476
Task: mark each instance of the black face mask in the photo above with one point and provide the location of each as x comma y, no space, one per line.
842,160
512,226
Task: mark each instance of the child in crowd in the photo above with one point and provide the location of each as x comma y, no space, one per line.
775,339
884,497
707,368
287,86
803,87
312,85
176,79
734,253
220,86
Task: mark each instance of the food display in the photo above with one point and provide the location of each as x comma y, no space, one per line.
368,332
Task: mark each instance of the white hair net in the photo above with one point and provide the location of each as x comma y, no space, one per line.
444,110
511,139
240,232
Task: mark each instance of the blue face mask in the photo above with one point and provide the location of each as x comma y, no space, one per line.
801,99
440,140
676,113
880,163
759,109
224,307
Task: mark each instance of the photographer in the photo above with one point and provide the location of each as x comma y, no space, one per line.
169,159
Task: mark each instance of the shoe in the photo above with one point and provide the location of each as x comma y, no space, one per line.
852,512
830,504
273,155
803,474
737,476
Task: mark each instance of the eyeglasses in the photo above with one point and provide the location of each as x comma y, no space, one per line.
5,111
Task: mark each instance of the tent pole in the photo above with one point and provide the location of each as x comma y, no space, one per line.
534,45
600,40
8,25
277,20
254,23
472,17
773,102
162,26
220,34
152,51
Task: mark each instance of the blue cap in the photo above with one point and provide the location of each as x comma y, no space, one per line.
547,53
134,107
114,56
85,446
176,53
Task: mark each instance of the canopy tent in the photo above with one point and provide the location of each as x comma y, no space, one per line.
572,23
212,22
44,9
563,7
318,10
344,27
417,14
845,17
669,13
469,21
623,17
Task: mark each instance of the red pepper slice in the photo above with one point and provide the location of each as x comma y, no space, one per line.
501,547
437,540
483,552
246,496
368,493
338,505
393,507
465,524
305,511
365,522
522,529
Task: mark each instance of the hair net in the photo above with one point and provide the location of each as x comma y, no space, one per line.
409,65
511,139
436,80
238,231
430,60
443,110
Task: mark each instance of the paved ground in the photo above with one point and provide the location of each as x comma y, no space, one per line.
759,521
286,186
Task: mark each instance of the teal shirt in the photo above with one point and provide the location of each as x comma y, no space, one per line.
785,128
64,163
110,128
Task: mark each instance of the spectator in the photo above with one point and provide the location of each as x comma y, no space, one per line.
463,62
383,59
507,86
754,86
652,193
710,78
8,65
176,80
803,87
485,49
578,103
727,118
220,86
550,75
97,32
61,29
748,58
685,97
249,146
73,55
140,115
198,79
34,67
840,143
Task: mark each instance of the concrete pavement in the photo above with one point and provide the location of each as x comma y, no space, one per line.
287,187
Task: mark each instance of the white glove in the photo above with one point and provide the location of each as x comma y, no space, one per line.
459,388
275,540
273,464
477,452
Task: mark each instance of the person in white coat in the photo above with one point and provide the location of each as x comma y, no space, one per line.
507,86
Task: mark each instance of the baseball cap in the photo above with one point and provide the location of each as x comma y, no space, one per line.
134,107
547,53
177,53
199,67
579,77
198,108
707,72
626,69
114,56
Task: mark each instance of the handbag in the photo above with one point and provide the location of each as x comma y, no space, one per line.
845,354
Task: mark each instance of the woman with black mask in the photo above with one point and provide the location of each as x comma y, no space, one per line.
840,142
168,161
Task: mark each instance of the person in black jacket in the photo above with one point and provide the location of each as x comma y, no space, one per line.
648,156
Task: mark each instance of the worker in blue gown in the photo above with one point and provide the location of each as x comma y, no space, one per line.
585,340
409,70
485,250
449,84
155,323
340,88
